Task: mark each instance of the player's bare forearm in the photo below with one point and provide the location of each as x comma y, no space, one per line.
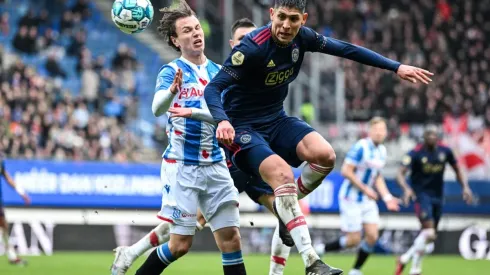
400,179
212,95
460,177
347,172
381,187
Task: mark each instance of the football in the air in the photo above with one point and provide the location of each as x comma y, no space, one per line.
132,16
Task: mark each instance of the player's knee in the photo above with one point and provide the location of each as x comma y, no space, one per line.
229,240
371,238
430,234
353,239
180,247
325,157
279,175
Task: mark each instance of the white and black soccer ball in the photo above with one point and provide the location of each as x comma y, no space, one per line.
132,16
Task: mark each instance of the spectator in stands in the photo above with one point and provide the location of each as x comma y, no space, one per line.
54,68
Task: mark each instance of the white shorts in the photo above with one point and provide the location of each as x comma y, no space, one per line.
354,214
187,187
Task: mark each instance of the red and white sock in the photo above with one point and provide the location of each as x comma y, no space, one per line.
159,235
279,254
289,211
311,177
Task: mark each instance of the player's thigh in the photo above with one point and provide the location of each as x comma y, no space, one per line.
248,151
219,201
314,148
370,214
424,211
182,185
436,214
350,216
286,137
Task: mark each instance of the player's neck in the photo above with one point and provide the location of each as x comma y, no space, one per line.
195,59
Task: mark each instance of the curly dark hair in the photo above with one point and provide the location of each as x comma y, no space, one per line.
179,9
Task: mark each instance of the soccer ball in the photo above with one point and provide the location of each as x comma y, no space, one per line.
132,16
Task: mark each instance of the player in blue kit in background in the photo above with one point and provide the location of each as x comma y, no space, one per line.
10,251
256,77
427,163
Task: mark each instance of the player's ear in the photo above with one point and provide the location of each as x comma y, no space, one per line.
231,43
271,11
174,40
305,16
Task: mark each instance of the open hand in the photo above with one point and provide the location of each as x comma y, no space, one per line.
414,74
175,87
468,195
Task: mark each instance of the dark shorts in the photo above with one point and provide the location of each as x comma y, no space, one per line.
252,185
428,209
253,144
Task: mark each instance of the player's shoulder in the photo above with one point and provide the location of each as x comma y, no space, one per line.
169,68
305,31
213,65
443,147
255,41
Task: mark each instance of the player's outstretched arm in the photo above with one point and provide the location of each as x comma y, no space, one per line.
467,193
168,85
15,186
408,194
194,113
212,94
320,43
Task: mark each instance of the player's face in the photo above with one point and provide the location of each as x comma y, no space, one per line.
430,138
378,132
286,23
239,34
190,36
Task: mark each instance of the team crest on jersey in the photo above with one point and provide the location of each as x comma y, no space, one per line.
406,160
245,138
442,157
424,159
295,55
237,58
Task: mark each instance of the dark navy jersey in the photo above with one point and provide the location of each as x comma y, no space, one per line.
258,71
427,169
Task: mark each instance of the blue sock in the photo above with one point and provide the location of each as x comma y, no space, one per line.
233,263
158,260
164,254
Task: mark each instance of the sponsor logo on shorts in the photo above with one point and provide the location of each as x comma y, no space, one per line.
178,214
245,138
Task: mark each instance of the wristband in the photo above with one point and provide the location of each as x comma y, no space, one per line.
20,190
387,197
199,226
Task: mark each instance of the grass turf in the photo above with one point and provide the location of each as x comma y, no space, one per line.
209,264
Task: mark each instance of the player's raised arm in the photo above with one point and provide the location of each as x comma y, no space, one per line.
194,113
408,194
467,194
168,85
319,43
15,186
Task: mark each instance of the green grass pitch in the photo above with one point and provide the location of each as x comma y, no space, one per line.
210,264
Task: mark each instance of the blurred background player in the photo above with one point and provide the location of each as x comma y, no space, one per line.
11,255
194,171
248,95
427,163
359,213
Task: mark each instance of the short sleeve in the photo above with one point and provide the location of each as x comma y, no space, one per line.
165,78
354,156
451,159
408,158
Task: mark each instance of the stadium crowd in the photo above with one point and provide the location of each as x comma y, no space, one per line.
446,37
40,117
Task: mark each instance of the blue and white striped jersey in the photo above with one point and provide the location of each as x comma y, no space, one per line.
191,141
369,160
